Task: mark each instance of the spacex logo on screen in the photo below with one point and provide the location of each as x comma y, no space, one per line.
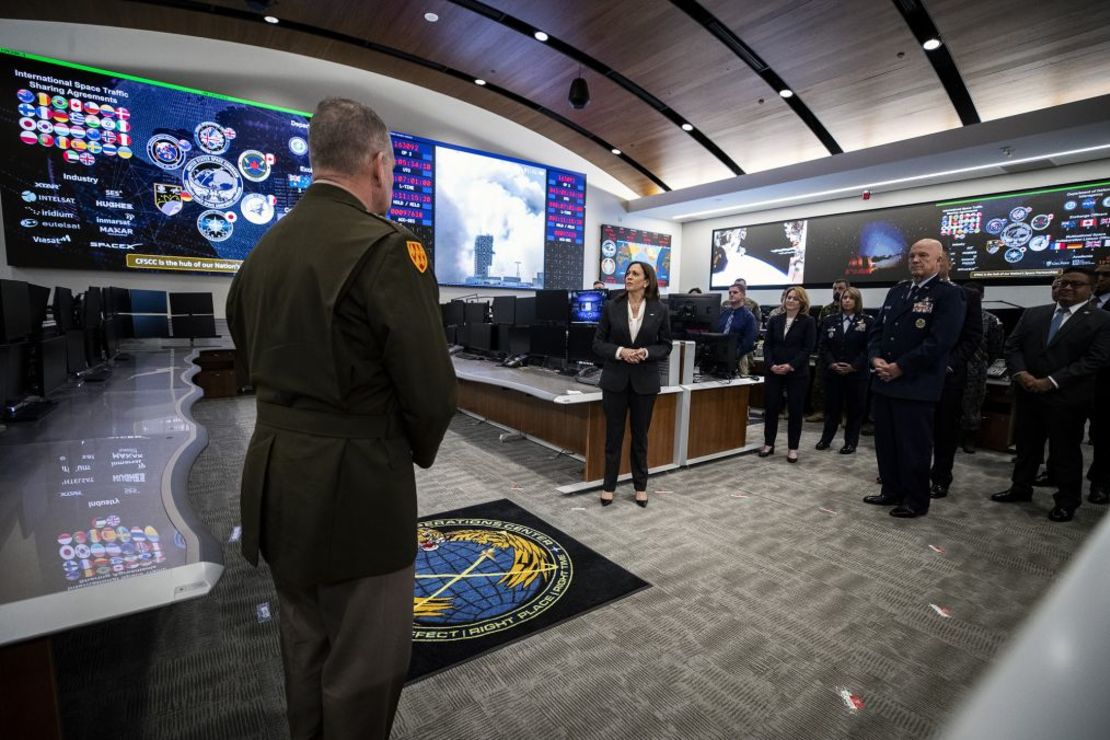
114,245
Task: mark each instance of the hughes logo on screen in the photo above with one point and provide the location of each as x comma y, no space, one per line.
115,172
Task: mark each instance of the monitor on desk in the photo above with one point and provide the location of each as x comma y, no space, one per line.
548,341
149,327
453,313
183,304
38,305
504,309
552,306
482,337
525,311
586,305
62,308
15,311
148,301
695,311
191,327
476,312
580,343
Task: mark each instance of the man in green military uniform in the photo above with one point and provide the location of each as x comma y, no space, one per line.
335,313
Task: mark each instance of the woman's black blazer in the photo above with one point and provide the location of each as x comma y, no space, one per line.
612,332
792,348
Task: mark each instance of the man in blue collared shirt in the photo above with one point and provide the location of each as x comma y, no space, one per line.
736,319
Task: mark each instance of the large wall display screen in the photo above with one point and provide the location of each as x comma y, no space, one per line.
490,221
115,172
1025,234
622,246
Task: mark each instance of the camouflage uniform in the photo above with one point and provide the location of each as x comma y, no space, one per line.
990,349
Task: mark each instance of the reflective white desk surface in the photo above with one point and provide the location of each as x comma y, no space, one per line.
94,518
546,385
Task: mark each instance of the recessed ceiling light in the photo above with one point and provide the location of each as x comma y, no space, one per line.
616,151
687,127
431,17
479,81
271,19
540,36
786,92
931,44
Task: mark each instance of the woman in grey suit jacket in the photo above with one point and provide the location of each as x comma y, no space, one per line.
634,334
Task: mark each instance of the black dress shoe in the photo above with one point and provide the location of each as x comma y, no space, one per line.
1009,497
847,449
1061,514
822,445
880,500
606,501
1044,480
938,491
905,512
642,503
1098,495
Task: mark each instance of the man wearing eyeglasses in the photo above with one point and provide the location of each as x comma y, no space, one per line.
1054,355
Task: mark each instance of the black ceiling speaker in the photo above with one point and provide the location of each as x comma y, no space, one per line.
579,95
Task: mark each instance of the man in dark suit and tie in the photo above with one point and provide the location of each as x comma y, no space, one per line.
1099,472
1054,355
908,350
946,425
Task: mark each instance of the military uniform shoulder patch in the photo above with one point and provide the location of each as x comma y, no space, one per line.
418,256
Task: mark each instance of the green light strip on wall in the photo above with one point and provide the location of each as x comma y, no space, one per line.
1020,193
144,80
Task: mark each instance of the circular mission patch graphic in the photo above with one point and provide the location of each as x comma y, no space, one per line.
475,577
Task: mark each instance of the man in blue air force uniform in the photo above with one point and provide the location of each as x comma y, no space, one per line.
908,351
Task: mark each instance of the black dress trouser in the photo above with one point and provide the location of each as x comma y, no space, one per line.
637,408
844,394
794,385
946,428
903,448
1039,419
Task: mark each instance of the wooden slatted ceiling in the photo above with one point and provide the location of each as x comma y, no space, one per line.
471,42
840,56
1022,55
661,49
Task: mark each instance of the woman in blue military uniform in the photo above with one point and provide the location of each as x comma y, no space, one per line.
842,358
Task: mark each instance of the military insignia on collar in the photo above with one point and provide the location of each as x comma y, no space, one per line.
418,256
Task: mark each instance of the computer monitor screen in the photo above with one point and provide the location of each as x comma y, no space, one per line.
53,364
695,311
39,298
580,343
504,309
12,359
148,301
718,353
552,305
182,304
15,311
193,326
549,341
586,305
91,304
520,341
453,313
525,311
476,312
150,327
62,307
482,337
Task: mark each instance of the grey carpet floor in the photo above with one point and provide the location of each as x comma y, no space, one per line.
774,588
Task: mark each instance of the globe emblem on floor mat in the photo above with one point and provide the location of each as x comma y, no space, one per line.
479,576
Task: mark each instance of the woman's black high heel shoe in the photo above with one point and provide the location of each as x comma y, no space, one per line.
607,501
642,503
766,451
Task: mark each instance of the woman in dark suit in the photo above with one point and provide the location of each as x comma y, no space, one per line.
842,357
634,334
791,337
